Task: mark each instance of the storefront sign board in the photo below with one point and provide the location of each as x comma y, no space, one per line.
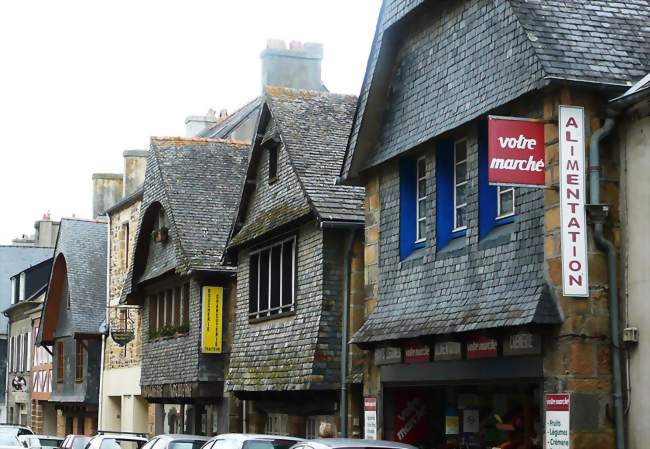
516,152
416,352
370,418
411,417
572,202
211,319
522,343
447,350
481,347
558,412
388,356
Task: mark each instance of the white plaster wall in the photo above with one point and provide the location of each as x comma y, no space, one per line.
123,407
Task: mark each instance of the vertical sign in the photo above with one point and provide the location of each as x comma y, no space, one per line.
572,202
516,152
558,412
370,418
211,319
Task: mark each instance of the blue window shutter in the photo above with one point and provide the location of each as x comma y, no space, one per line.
444,192
407,204
487,194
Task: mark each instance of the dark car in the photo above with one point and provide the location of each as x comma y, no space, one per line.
250,441
176,442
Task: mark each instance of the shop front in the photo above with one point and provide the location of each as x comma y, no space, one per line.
478,391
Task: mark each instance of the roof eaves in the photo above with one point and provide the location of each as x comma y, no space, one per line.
126,201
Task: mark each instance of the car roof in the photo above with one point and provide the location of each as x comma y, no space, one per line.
181,436
258,436
121,436
54,437
350,442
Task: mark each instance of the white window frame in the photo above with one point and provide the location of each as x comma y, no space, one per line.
13,289
276,424
21,292
501,190
281,308
459,184
420,198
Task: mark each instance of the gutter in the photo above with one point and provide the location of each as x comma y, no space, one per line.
100,409
598,213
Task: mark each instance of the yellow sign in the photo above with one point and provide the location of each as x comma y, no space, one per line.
211,320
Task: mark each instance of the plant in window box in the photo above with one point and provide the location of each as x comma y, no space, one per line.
160,235
183,328
153,334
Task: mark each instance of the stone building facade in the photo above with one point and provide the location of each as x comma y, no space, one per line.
435,73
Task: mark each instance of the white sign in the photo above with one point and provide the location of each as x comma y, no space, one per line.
572,202
558,412
370,418
470,421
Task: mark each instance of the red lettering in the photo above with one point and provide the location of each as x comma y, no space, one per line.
575,280
568,137
573,193
574,236
572,179
575,265
571,122
573,223
572,165
573,207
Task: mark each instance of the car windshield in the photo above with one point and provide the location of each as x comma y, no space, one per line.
49,442
269,444
189,444
31,441
119,443
80,442
7,439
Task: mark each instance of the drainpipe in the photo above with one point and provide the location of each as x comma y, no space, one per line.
100,408
598,214
345,334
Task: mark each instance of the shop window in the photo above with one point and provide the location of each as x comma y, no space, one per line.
79,362
60,362
496,203
451,191
276,424
169,312
271,279
412,205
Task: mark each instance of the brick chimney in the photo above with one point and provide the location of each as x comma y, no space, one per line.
107,191
298,66
135,163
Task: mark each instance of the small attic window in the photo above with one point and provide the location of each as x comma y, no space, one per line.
273,161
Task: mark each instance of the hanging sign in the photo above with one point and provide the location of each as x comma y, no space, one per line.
211,319
516,152
481,347
558,412
416,352
572,202
370,418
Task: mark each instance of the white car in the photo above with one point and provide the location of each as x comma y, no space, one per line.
9,441
350,443
40,441
251,441
116,440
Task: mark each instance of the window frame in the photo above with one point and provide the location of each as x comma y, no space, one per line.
501,191
125,243
266,313
79,362
456,206
60,362
279,419
420,199
273,149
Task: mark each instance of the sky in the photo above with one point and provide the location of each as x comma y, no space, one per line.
82,81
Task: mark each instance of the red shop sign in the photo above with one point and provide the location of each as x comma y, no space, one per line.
481,347
411,417
516,152
416,352
557,402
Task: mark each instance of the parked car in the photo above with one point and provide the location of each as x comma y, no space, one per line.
16,429
40,441
116,440
350,443
9,441
74,442
176,442
251,441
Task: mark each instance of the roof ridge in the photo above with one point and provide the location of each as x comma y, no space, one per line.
198,140
86,220
278,90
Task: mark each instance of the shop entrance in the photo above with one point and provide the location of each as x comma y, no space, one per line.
467,416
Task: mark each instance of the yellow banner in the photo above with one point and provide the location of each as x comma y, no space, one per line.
212,320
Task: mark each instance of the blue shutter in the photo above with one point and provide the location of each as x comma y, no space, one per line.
487,194
407,203
444,192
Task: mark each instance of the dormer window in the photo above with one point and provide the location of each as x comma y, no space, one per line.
273,148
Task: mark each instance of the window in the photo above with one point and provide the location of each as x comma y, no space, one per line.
124,243
186,304
79,362
14,290
177,306
169,312
276,424
505,201
60,362
153,313
273,161
460,184
421,200
271,279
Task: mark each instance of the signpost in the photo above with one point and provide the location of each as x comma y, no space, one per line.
572,202
370,418
558,412
516,152
211,320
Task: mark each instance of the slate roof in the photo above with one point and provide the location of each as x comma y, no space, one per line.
223,129
640,89
83,244
15,259
313,127
531,42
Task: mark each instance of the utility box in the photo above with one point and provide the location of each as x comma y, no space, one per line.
631,335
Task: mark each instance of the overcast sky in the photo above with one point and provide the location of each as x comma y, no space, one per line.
82,81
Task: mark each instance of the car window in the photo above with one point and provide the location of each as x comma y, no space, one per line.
225,444
30,441
7,439
64,443
160,444
150,443
118,443
22,431
79,442
189,444
48,442
208,445
277,443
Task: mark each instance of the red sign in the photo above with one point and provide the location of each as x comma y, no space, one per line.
416,352
370,404
481,347
557,402
411,417
516,152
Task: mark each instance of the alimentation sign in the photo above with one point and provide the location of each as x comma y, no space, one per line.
211,320
558,424
572,201
516,152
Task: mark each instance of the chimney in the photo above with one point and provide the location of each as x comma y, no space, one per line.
135,163
107,191
195,124
298,66
46,231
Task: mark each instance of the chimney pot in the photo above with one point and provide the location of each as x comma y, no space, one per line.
296,67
